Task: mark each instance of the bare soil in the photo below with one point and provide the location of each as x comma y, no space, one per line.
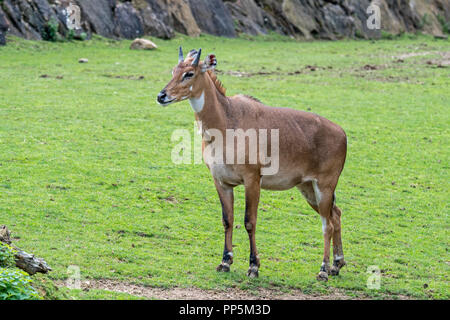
202,294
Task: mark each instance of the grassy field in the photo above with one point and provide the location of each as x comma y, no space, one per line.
86,176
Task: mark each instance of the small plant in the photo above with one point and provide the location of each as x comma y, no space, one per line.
15,284
70,34
359,34
50,31
47,288
424,21
386,35
73,35
6,256
445,24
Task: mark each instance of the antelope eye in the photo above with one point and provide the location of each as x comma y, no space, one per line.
188,75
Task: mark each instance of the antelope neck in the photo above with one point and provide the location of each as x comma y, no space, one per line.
209,107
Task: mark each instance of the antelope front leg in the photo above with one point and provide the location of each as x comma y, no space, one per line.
252,192
227,200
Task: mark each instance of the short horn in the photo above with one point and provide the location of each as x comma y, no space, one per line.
197,58
180,55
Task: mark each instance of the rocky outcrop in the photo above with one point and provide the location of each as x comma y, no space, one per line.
3,28
213,17
334,19
127,21
155,18
181,17
250,18
98,16
304,19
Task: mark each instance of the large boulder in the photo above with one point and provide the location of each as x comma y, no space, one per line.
181,17
247,17
358,10
396,16
213,17
251,19
155,19
127,21
306,19
427,15
301,15
336,22
99,16
16,12
142,44
44,9
4,26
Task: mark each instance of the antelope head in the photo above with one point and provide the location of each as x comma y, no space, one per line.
187,77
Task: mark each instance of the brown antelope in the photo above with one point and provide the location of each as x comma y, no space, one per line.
312,152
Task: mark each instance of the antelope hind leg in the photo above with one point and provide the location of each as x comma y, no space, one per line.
338,253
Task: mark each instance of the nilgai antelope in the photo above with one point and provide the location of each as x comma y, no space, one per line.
311,154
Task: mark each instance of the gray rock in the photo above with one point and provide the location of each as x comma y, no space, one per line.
128,23
18,25
303,16
328,19
248,17
213,17
143,44
44,9
181,17
337,23
99,16
359,13
4,26
155,19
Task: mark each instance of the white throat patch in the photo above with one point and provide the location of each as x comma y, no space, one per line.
198,103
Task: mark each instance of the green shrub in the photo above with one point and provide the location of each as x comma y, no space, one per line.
15,284
424,21
444,24
359,34
70,35
386,35
47,288
50,31
6,256
73,35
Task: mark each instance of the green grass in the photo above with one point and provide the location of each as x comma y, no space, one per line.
86,176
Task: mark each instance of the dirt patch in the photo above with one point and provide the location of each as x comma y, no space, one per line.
373,67
243,74
45,76
124,77
412,54
201,294
442,62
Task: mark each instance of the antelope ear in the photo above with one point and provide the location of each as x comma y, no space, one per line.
210,62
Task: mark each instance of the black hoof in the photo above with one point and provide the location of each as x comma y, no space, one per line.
322,276
334,271
337,265
253,272
223,267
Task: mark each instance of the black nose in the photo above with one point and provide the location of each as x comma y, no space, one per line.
162,96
